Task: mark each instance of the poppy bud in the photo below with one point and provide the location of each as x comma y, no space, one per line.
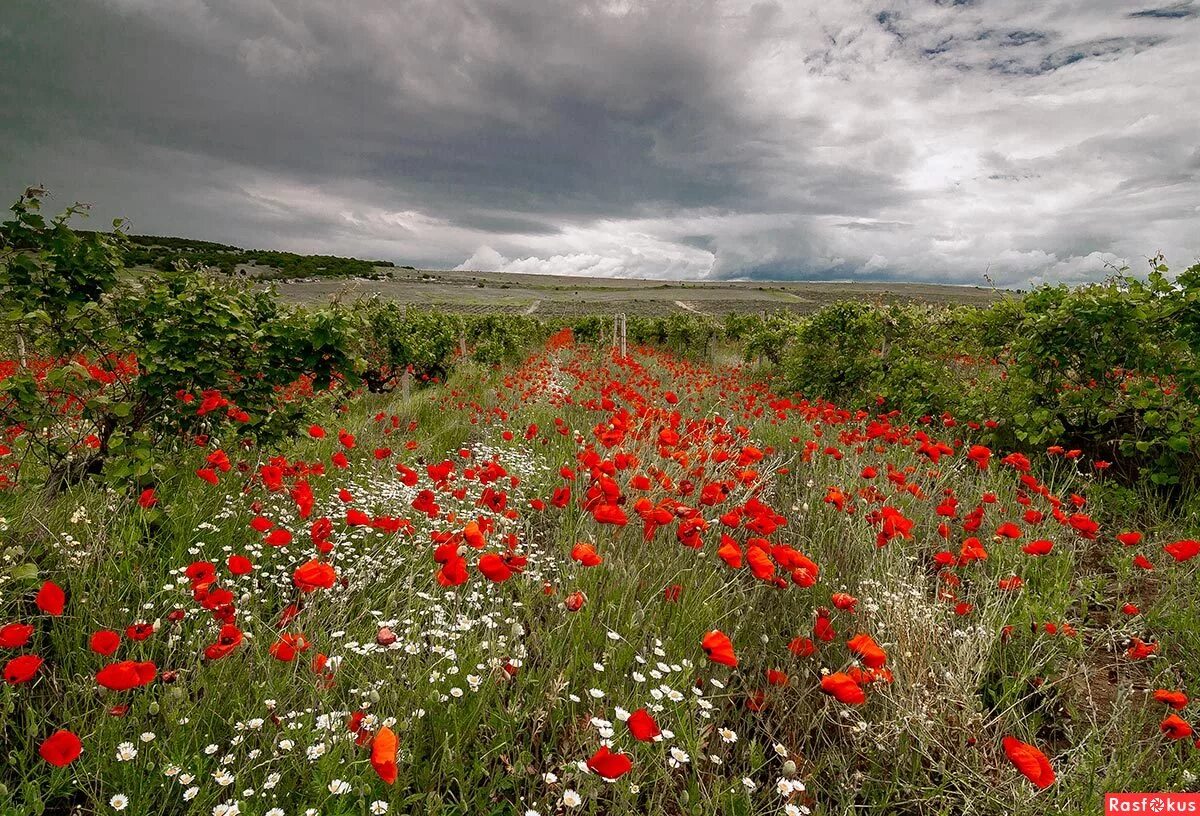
385,637
575,601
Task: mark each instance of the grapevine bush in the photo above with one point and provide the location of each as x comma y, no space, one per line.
1110,369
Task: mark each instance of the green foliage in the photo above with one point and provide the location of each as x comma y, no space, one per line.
400,338
497,338
738,326
1109,369
165,254
114,371
51,276
683,333
769,337
837,352
591,328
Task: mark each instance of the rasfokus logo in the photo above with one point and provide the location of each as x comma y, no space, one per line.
1151,803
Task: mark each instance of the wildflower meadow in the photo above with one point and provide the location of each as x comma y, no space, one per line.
352,559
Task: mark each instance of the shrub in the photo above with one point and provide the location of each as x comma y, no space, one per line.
1109,369
497,338
112,371
401,338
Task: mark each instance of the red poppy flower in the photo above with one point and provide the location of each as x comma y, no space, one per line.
609,765
228,639
104,642
845,602
802,647
1140,650
1039,547
823,629
51,599
383,754
126,675
760,563
139,631
279,537
719,648
1130,539
642,726
980,455
610,514
314,575
867,650
1184,550
843,688
21,669
288,645
1031,762
60,748
492,567
1011,583
453,571
586,555
730,552
473,535
239,565
776,677
1175,727
15,635
1175,699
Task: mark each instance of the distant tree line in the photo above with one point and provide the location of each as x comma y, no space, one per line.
166,253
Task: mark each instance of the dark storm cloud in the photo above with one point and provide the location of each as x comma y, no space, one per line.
1178,11
717,138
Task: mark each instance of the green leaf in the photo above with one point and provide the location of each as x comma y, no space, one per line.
25,572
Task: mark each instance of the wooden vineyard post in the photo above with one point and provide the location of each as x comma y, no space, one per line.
406,377
758,362
624,338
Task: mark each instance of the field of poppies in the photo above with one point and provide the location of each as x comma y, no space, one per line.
593,584
266,560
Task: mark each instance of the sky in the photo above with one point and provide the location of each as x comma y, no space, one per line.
1015,142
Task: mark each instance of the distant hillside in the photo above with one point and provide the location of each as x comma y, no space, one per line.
314,278
161,252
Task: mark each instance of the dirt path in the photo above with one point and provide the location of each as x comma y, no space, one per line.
690,308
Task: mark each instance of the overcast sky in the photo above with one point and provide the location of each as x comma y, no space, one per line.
937,140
